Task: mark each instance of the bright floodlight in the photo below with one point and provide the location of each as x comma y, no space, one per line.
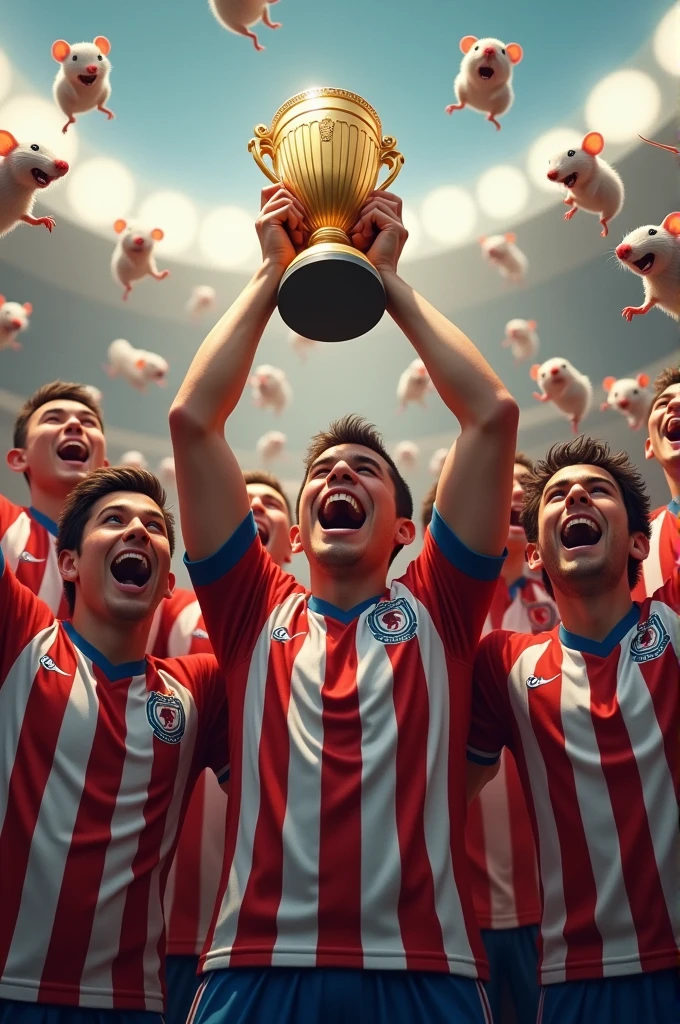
100,191
502,191
5,75
175,214
33,119
623,105
667,41
557,140
448,215
415,233
227,236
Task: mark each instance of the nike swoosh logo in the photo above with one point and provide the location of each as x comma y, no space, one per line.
51,665
534,681
26,556
282,635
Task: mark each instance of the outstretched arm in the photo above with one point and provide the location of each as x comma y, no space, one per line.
475,486
212,495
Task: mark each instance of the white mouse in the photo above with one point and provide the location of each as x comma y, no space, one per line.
301,345
27,168
271,389
413,385
406,454
166,472
133,256
521,338
562,384
13,320
591,183
133,458
202,298
437,461
239,15
501,252
653,251
630,397
271,445
136,365
82,81
484,81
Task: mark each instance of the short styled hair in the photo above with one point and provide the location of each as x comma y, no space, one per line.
51,392
100,482
524,460
668,376
261,476
353,429
587,451
428,501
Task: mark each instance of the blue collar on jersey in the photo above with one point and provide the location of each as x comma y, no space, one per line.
112,672
518,585
44,520
674,507
315,604
602,648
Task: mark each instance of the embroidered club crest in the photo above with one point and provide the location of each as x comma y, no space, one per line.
166,716
542,615
650,641
393,622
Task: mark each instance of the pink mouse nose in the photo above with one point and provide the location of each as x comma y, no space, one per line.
552,175
16,324
624,403
554,371
138,240
623,251
61,166
489,51
91,69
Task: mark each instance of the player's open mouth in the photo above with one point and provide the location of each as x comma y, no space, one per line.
672,429
570,180
132,569
341,511
73,451
263,531
41,178
486,73
579,532
645,264
88,79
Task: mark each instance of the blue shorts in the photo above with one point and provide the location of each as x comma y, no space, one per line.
12,1011
337,995
652,998
513,959
182,984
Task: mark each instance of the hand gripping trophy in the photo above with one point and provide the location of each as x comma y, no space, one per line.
326,146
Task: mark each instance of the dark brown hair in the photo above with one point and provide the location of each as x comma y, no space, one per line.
353,429
428,501
78,507
524,460
668,376
587,451
261,476
51,392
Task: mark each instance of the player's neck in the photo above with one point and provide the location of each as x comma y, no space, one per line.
119,641
595,616
673,484
515,564
48,504
348,590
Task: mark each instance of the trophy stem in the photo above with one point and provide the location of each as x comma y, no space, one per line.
328,235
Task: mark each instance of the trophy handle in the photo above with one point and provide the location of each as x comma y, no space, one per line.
392,157
262,146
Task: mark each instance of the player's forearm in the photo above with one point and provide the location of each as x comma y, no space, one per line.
459,372
219,371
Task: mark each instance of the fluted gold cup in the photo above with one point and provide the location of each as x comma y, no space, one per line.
326,146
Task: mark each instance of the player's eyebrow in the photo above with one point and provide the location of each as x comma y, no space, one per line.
59,410
124,509
354,460
567,482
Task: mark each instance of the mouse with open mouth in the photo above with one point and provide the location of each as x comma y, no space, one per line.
28,168
591,183
653,252
82,81
484,81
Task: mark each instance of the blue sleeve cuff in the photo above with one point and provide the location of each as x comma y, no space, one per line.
207,570
2,563
482,756
480,567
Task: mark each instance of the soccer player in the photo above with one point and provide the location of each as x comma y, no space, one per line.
58,439
348,706
663,444
195,873
591,713
101,747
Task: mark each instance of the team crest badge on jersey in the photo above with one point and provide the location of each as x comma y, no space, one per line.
542,615
393,622
166,716
650,641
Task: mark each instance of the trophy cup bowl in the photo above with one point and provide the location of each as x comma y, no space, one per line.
326,146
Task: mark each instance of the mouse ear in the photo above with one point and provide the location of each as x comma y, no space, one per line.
593,143
7,143
158,234
532,325
103,44
482,239
467,42
608,383
140,363
28,308
533,372
514,52
3,300
119,225
60,50
510,236
672,223
642,379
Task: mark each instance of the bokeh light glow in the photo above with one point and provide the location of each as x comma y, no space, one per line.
227,236
502,191
100,190
622,105
449,215
176,214
5,75
546,146
667,41
34,119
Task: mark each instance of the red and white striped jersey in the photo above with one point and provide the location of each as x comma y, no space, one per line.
664,551
27,540
347,732
498,834
594,731
97,765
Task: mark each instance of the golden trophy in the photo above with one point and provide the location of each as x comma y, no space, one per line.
326,146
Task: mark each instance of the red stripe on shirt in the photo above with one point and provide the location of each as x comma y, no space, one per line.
183,922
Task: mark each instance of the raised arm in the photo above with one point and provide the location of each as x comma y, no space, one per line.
475,486
212,495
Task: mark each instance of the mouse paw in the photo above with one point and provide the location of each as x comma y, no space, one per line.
49,222
628,312
162,274
605,230
571,213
